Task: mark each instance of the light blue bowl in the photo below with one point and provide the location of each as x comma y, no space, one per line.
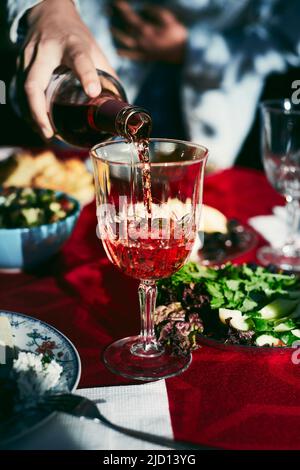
26,248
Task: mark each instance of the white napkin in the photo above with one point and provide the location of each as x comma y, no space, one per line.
272,227
143,407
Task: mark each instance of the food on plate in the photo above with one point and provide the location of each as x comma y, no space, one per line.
224,238
28,207
34,375
45,170
244,304
26,378
234,318
212,220
176,327
30,377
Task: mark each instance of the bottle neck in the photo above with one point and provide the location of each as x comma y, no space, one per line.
120,118
133,123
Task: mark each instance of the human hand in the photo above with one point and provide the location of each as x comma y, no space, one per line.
154,34
57,36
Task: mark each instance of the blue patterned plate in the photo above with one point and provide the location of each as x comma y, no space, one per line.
33,335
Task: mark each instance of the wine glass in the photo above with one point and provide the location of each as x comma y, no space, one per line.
148,245
281,158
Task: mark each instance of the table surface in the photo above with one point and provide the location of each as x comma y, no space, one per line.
228,399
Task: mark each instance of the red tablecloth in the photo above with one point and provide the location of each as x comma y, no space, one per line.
233,400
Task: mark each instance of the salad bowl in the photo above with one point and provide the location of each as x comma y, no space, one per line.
25,248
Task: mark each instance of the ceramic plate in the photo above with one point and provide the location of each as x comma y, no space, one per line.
248,241
33,335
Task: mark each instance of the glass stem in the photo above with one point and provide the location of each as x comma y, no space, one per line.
147,345
293,220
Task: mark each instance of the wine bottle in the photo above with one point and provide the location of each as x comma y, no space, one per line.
83,121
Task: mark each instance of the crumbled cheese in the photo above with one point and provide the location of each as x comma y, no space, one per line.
33,376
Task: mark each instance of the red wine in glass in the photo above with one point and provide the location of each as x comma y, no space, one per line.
149,258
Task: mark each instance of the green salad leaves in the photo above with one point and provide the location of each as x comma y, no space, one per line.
244,304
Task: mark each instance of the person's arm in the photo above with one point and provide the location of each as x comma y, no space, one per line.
16,13
225,68
56,35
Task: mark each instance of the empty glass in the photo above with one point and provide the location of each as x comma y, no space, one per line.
281,157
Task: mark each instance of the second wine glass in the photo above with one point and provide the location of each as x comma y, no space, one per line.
281,157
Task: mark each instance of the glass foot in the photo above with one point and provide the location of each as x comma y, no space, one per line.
120,358
286,261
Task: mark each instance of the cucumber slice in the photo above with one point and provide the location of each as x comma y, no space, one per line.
235,317
278,308
284,327
31,215
296,333
226,313
267,340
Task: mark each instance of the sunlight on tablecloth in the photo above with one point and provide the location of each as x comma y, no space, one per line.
143,407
